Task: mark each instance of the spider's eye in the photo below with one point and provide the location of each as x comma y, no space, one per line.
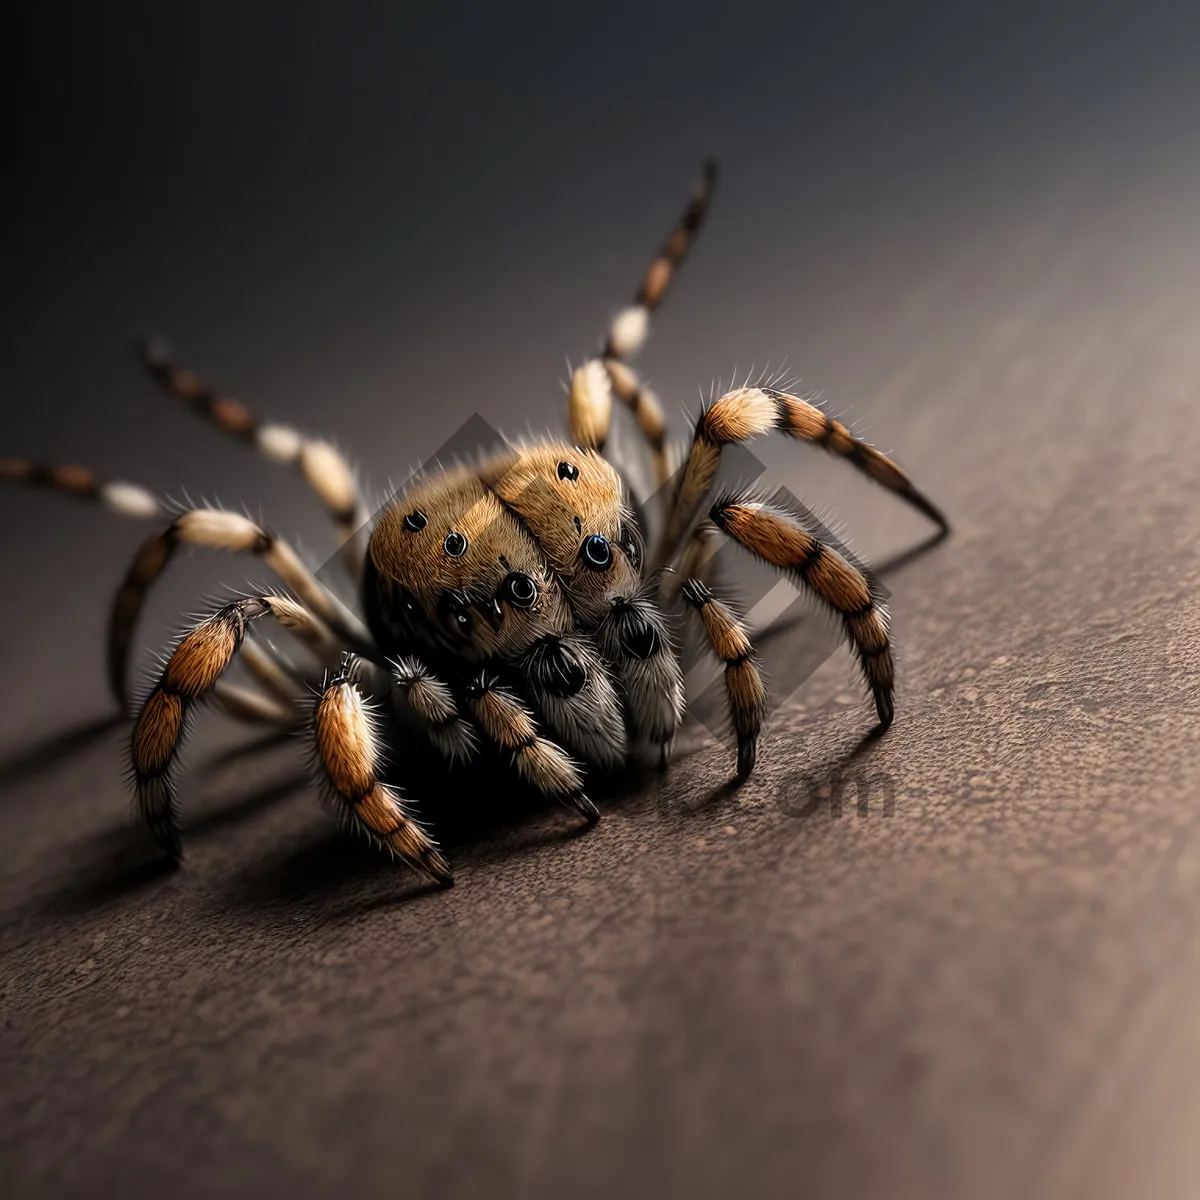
518,589
415,521
455,545
597,553
568,471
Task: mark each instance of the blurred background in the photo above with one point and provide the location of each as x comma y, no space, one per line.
973,231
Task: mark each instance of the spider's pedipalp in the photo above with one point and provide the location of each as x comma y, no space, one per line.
539,761
745,688
636,638
347,753
431,702
776,537
569,685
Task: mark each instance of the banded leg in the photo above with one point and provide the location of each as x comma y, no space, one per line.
432,704
190,673
348,755
322,464
573,693
635,637
627,333
745,688
745,412
589,404
505,721
117,495
776,537
215,530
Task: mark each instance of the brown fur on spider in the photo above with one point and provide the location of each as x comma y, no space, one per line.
503,605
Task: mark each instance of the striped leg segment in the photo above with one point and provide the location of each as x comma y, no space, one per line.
431,703
215,530
593,386
777,538
117,495
628,331
746,412
509,724
348,754
745,688
323,466
191,671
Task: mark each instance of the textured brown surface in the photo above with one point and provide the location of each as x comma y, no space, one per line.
989,992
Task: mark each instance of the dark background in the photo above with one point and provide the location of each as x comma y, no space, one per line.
971,229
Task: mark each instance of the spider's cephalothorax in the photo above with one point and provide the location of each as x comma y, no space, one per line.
505,603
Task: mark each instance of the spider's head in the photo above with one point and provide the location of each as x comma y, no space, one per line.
571,501
450,568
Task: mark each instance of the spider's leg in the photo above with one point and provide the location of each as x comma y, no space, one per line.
431,703
589,404
132,500
573,693
776,537
188,676
117,495
505,721
745,412
347,752
217,530
322,464
745,688
636,638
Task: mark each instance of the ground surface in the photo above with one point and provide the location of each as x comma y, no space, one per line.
989,990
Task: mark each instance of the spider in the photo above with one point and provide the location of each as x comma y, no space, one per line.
510,603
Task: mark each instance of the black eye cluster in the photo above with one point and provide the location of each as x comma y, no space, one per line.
455,544
596,551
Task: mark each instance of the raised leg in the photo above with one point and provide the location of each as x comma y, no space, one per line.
117,495
745,688
321,463
777,537
348,755
593,385
216,530
746,412
190,673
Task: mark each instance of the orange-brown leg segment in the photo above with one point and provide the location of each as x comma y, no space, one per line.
589,403
191,671
322,464
348,755
117,495
745,688
216,530
777,538
540,762
746,412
